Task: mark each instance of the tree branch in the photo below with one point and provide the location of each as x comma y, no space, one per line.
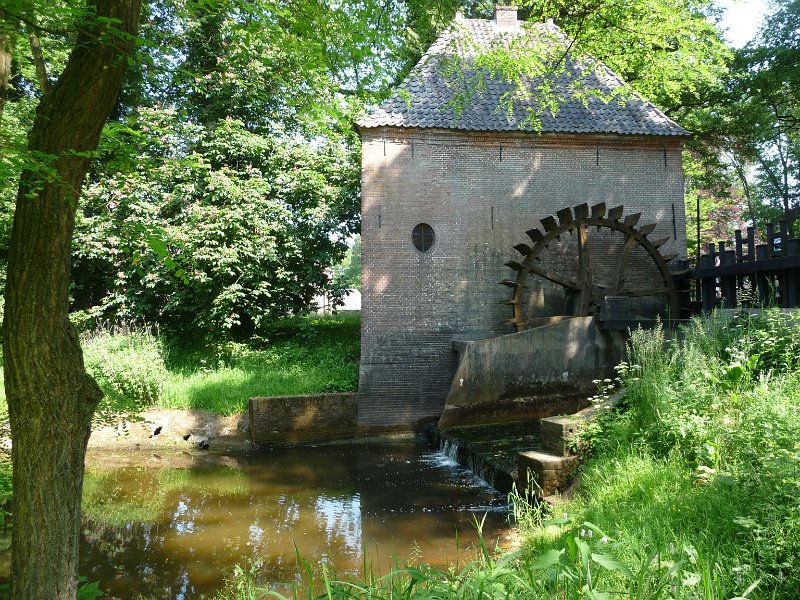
7,40
29,22
38,60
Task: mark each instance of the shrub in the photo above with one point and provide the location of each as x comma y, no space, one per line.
128,363
219,236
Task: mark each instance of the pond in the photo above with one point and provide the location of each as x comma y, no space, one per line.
174,526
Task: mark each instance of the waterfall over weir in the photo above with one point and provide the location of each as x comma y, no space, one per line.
489,451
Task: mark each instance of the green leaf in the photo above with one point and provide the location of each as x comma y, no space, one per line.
548,559
89,591
612,564
595,595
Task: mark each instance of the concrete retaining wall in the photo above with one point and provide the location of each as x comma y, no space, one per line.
532,374
302,419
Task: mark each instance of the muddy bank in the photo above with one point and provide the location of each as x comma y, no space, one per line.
165,429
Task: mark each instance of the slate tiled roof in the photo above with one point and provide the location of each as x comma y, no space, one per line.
424,99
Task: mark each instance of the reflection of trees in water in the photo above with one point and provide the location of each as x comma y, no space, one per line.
129,557
341,520
134,519
159,531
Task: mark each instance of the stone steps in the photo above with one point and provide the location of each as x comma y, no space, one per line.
551,470
537,457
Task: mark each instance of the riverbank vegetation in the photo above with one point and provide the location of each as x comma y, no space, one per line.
138,368
690,492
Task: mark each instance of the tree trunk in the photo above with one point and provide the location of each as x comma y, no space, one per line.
50,397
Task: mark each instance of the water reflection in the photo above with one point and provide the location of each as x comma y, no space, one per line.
175,528
341,518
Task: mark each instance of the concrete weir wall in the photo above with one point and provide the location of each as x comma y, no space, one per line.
303,419
532,374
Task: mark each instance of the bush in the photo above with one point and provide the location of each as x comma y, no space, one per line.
128,363
219,236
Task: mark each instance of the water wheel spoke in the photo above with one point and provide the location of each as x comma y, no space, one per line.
587,291
554,277
623,262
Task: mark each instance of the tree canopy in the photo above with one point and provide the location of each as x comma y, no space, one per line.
259,96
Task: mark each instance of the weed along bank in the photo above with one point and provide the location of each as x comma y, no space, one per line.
496,231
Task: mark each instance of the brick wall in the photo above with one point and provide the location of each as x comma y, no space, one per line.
480,193
302,419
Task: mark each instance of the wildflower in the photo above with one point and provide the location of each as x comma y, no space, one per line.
583,532
589,534
739,578
671,548
566,517
604,540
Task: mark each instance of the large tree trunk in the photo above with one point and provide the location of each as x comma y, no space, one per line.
51,399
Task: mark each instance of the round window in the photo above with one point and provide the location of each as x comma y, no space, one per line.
423,237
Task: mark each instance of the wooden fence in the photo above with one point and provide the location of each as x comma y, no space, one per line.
743,272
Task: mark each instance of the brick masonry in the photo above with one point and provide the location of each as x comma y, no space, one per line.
302,419
480,192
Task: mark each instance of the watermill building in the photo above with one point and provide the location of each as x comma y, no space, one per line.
449,192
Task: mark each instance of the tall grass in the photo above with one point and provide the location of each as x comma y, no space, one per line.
138,368
701,465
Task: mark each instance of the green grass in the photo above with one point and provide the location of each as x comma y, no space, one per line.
701,468
138,368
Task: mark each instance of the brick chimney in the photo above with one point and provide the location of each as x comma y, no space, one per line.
505,17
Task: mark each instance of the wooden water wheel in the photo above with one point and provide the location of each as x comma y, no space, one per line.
593,262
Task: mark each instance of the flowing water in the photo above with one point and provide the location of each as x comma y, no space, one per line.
173,526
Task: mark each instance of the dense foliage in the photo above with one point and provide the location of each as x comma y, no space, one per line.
753,125
224,235
764,114
226,182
